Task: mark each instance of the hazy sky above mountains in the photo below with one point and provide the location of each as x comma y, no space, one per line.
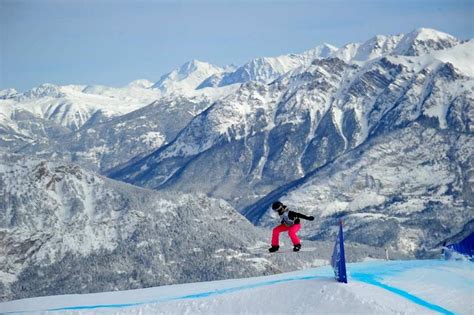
115,42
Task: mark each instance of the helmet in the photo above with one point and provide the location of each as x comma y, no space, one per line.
277,205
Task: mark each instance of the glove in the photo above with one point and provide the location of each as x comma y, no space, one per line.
311,218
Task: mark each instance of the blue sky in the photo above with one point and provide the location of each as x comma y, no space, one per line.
115,42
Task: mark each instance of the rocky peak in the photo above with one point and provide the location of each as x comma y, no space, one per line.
44,90
188,77
8,93
50,175
424,40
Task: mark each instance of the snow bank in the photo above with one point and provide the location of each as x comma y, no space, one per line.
375,287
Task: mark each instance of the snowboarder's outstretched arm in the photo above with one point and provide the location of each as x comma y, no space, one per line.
300,215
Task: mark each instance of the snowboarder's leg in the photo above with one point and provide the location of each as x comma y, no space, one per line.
276,234
292,233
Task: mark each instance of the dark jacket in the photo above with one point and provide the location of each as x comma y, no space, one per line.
295,217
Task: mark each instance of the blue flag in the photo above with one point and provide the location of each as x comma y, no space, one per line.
338,261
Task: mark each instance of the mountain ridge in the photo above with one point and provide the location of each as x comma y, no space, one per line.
267,135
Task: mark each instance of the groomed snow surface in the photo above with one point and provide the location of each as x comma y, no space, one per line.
375,287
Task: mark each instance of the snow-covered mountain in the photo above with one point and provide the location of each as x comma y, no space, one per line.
21,128
8,93
188,77
84,124
267,69
329,100
375,47
265,136
410,190
107,143
35,119
424,40
73,105
416,43
76,106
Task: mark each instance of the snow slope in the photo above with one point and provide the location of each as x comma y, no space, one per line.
375,287
461,56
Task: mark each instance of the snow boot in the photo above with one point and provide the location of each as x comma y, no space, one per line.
296,248
273,248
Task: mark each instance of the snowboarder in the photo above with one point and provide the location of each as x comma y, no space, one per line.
290,221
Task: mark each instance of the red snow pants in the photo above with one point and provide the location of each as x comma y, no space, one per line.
291,232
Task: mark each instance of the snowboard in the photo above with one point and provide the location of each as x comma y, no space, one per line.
281,250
